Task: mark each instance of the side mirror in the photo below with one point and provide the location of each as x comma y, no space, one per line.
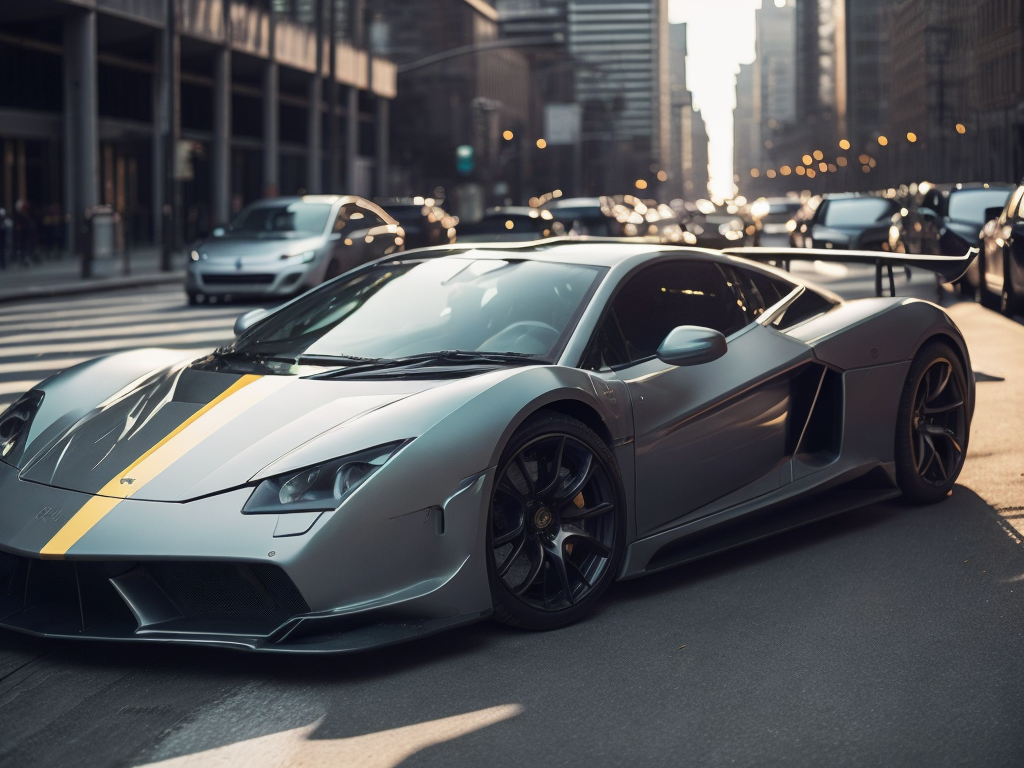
249,319
691,345
218,232
993,213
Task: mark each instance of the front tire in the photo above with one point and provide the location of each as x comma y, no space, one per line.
556,527
931,425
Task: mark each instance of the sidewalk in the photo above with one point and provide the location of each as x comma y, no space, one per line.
63,276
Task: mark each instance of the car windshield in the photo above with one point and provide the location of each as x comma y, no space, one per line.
860,212
970,204
404,308
283,219
511,226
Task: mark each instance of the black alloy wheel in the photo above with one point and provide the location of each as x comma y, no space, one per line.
932,425
556,524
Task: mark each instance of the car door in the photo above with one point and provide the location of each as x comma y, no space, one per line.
997,247
706,431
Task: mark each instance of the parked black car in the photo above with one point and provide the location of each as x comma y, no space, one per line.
1001,262
425,222
947,220
848,221
510,224
585,216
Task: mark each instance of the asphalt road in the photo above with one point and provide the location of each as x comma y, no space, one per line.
892,635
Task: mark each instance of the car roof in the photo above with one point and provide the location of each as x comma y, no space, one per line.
598,252
287,200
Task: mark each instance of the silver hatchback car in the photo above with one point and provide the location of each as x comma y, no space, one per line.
285,245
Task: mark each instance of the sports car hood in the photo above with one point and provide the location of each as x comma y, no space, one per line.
183,433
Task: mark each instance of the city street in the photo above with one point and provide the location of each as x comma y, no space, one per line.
892,635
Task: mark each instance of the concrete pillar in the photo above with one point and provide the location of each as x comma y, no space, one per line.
382,160
314,134
351,139
81,148
220,166
160,104
271,114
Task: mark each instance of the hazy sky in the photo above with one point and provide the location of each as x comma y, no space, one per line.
720,36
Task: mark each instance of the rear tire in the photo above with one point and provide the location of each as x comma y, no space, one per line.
931,425
556,525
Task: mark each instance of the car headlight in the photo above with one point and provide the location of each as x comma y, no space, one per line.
14,426
304,258
321,487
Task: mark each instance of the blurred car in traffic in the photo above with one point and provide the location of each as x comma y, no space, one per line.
591,216
510,224
947,221
282,246
848,221
425,222
799,224
713,226
1001,262
769,217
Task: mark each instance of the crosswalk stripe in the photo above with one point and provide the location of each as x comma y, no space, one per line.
41,337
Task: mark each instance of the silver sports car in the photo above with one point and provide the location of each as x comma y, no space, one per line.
458,433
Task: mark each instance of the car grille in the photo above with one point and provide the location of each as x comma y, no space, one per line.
242,278
63,592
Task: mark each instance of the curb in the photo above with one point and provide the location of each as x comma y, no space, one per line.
31,292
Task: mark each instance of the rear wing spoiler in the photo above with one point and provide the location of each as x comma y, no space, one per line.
949,268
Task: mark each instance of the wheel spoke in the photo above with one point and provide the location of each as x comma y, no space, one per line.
919,453
535,569
580,573
582,478
505,538
531,488
574,514
935,457
517,550
943,371
937,431
579,536
507,486
556,562
555,467
943,408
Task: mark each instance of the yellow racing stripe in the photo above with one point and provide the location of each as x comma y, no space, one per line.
230,404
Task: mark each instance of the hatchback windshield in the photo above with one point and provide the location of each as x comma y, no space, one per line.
407,308
286,218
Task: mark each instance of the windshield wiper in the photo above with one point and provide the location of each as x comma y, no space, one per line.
336,360
429,359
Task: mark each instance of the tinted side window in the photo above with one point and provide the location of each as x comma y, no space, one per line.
658,299
757,291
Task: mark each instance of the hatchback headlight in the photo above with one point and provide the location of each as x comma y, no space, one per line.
303,258
14,425
321,487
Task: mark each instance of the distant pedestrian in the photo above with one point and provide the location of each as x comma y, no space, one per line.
6,226
26,234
